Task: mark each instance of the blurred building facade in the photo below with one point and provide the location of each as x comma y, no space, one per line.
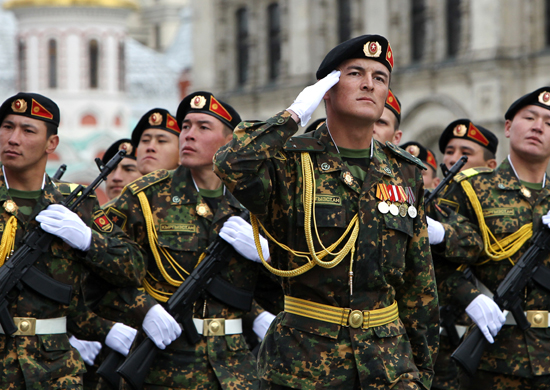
454,58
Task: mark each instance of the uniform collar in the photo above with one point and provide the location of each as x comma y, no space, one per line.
506,178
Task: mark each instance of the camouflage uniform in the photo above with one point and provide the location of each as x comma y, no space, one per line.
261,166
186,226
523,356
49,361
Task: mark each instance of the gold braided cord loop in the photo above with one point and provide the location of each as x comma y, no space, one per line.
494,249
8,239
313,258
159,295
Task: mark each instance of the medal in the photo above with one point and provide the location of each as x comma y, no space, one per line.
394,210
403,210
412,212
383,207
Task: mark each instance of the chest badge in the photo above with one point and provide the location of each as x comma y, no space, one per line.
348,178
325,166
10,206
202,209
525,192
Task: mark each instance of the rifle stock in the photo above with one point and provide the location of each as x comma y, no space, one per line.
107,368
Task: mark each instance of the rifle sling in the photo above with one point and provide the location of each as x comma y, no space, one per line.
227,293
47,286
542,277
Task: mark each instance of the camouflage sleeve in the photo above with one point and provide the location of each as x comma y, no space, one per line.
417,297
243,164
461,289
89,326
112,254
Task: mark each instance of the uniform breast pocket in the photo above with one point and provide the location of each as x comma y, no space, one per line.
178,238
395,239
330,221
502,225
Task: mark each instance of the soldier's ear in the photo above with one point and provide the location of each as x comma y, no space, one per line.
492,163
51,143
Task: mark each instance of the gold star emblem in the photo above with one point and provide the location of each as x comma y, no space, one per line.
372,49
19,105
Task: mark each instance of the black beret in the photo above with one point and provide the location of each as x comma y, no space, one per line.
157,118
31,105
206,103
372,47
540,97
124,144
315,125
465,129
424,154
393,103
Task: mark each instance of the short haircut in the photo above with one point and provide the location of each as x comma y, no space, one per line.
51,129
488,155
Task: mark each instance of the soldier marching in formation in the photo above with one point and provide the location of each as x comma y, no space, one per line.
350,241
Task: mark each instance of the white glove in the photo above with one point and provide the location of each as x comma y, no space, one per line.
308,100
120,338
546,219
487,316
60,221
88,349
237,232
160,326
261,323
436,231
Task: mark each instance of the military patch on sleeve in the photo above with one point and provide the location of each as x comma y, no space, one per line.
148,180
471,172
449,203
117,217
406,155
67,188
102,222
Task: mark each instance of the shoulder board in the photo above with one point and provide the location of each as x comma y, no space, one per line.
471,172
66,188
148,180
304,143
405,155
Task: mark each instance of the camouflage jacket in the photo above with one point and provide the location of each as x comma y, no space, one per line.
505,210
186,226
35,360
261,167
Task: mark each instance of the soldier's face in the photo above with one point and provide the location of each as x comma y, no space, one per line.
125,172
157,149
529,133
24,143
201,137
361,93
385,128
458,147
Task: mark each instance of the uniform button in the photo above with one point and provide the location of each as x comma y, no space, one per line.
325,166
387,170
280,120
176,199
501,186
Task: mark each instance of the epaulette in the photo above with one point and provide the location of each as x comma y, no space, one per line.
148,180
304,143
406,155
66,188
471,172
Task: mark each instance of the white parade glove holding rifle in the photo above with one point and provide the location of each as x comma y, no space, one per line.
237,232
487,316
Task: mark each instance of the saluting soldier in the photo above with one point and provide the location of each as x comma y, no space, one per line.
125,172
155,138
510,203
175,215
361,305
40,355
460,138
429,176
386,129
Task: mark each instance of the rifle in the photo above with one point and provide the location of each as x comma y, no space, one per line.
449,175
60,171
508,297
18,267
180,305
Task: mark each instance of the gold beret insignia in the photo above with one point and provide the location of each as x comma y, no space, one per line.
19,105
544,98
126,146
460,130
414,150
155,119
372,49
198,102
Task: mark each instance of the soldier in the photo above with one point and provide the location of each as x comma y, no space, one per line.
126,171
155,138
186,208
429,176
40,355
510,202
360,299
386,129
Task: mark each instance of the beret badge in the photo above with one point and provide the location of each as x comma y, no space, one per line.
372,49
460,130
198,102
414,150
127,146
544,98
155,119
19,105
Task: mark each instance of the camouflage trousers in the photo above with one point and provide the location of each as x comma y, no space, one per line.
445,369
484,380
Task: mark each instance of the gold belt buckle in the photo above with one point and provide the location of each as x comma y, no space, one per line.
26,326
356,319
214,327
538,318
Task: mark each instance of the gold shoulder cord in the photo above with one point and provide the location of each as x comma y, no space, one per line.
8,239
313,258
154,245
494,249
